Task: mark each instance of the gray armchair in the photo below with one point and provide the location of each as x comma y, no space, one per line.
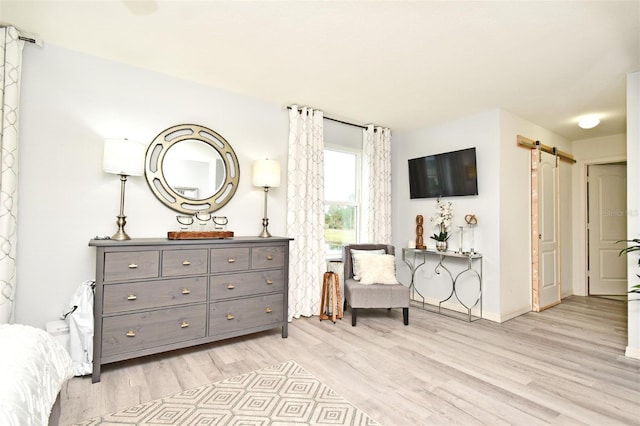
361,296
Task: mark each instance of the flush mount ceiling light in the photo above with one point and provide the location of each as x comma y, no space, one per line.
589,121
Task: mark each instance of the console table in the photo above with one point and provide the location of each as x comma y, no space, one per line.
154,295
415,259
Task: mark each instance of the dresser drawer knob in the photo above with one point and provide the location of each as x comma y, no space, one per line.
231,286
269,282
131,333
184,324
133,266
231,260
229,317
268,310
186,291
132,297
269,257
186,263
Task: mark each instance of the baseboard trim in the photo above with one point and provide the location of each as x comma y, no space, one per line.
632,352
456,307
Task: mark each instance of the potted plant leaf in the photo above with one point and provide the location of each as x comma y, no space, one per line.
631,248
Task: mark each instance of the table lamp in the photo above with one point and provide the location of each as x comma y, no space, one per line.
266,174
125,158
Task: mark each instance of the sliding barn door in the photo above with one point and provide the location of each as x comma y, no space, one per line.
545,225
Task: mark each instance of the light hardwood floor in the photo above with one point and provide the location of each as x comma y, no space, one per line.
565,365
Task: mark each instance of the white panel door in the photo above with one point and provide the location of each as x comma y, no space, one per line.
548,229
607,223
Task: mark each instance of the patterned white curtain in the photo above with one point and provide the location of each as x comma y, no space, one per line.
305,212
376,185
10,67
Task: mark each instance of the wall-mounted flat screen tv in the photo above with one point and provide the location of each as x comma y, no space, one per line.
450,174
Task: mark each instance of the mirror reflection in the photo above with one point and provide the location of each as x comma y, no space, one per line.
193,169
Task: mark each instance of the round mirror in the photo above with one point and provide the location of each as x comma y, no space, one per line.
191,168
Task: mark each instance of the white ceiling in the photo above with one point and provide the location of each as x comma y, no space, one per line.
400,64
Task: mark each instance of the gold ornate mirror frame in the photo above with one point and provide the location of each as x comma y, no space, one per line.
170,196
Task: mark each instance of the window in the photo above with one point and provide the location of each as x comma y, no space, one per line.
342,199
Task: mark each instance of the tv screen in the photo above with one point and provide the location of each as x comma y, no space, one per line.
449,174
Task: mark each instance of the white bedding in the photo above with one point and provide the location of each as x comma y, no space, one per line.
33,367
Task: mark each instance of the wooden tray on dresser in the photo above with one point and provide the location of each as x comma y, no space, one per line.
199,235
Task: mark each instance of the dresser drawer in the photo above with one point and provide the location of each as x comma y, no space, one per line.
131,265
245,284
240,314
153,294
229,259
267,257
184,262
133,332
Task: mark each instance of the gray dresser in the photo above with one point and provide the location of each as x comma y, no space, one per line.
154,295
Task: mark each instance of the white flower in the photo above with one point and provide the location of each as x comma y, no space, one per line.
444,214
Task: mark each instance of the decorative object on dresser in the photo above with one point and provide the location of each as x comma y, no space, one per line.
154,295
195,235
125,158
180,162
217,228
266,174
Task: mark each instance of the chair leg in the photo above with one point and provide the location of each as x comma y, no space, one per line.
344,309
354,314
405,315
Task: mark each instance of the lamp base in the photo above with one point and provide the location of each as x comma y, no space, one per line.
121,235
265,232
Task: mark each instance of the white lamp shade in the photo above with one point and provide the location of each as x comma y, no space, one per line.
266,173
123,157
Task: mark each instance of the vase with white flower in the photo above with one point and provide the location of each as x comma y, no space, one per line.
442,221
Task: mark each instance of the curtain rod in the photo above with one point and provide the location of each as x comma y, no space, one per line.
339,121
24,37
28,39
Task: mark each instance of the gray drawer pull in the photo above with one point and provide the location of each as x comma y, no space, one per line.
268,310
269,257
231,286
133,266
132,297
231,260
186,291
229,317
186,263
184,324
131,333
269,282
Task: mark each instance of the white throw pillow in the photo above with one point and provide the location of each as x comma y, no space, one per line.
380,269
355,261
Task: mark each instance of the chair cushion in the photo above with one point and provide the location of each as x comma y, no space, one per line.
378,269
376,295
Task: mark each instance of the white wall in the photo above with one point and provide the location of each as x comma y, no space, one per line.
70,104
633,204
608,149
482,132
503,234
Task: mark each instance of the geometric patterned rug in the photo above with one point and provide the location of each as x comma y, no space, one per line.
279,395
